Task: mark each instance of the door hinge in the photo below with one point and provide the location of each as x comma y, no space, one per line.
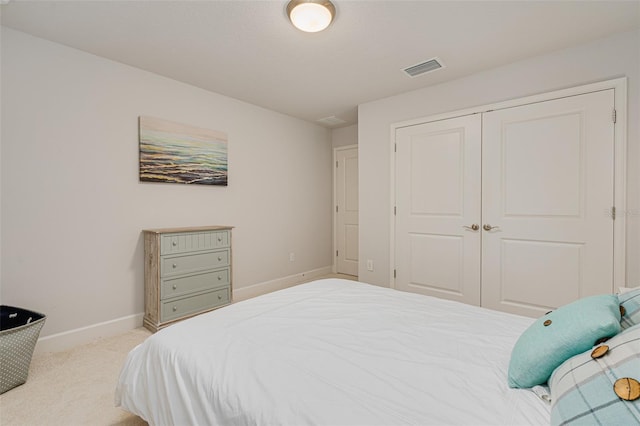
395,147
394,273
394,210
336,253
614,116
613,213
336,209
336,164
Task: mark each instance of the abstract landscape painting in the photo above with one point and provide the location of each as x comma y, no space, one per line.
178,153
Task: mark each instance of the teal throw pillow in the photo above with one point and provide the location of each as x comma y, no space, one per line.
559,335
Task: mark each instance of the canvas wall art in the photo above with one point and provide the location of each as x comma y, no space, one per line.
178,153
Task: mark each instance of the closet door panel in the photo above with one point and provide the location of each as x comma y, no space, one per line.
547,190
541,176
437,195
526,265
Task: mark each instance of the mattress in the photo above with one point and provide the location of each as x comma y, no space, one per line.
332,352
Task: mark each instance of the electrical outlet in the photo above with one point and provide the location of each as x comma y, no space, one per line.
292,257
369,265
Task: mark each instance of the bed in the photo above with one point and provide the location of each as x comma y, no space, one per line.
332,352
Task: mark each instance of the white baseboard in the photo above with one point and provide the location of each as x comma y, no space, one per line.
66,340
278,284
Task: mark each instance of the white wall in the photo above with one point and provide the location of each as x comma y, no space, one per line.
73,207
608,58
345,136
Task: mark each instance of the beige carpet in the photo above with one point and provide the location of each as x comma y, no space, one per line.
75,387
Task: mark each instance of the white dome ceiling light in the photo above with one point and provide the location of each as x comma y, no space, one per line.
311,16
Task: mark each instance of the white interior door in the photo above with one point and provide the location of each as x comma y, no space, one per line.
346,179
437,205
548,183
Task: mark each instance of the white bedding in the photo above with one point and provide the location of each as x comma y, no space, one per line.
332,352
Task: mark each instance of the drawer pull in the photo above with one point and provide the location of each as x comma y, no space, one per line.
219,297
219,278
175,286
175,265
175,243
219,238
175,308
219,258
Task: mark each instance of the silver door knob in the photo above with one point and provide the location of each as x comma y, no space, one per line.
473,227
488,227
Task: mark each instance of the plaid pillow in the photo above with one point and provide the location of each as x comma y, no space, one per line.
630,305
583,388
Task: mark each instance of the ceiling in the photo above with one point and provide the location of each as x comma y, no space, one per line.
248,50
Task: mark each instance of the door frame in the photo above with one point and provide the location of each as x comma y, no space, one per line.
334,266
620,161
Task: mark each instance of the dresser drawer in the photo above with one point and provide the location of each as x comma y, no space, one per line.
193,241
174,287
187,271
175,265
194,304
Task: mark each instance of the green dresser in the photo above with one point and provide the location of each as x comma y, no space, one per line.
187,271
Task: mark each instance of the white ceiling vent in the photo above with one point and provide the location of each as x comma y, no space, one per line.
424,67
332,120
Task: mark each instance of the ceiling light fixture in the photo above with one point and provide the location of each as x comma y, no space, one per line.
311,16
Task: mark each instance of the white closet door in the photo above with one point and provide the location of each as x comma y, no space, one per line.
347,211
548,192
437,195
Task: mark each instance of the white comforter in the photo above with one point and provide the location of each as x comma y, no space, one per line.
331,352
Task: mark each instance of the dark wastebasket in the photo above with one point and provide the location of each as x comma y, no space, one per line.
19,331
